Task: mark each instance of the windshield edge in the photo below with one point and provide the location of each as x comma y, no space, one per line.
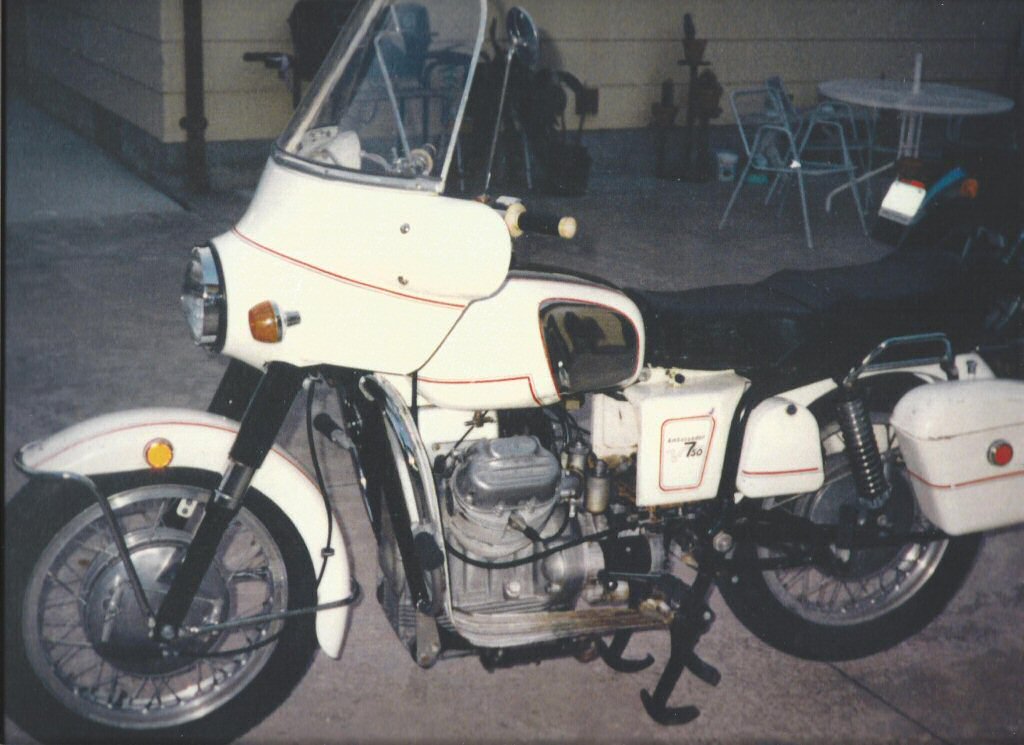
284,147
457,125
312,106
419,184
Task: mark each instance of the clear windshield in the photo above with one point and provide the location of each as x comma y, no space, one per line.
388,100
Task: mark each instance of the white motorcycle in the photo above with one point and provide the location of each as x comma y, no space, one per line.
548,463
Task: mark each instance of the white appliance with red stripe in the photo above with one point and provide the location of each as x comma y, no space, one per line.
963,443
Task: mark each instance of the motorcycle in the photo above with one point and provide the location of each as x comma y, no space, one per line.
548,463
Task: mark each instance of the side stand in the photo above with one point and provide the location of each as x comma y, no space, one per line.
690,621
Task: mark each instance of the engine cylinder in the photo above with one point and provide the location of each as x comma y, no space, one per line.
502,490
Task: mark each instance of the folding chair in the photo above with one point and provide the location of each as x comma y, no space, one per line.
771,146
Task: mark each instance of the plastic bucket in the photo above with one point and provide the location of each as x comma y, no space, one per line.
727,161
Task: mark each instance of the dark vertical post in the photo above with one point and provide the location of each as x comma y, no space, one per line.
194,121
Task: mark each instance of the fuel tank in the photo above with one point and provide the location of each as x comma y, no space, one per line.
539,338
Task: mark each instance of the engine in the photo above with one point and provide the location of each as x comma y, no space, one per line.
509,499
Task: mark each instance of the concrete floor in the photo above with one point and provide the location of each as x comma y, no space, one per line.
92,325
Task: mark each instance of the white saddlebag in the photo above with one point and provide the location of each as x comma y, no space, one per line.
963,443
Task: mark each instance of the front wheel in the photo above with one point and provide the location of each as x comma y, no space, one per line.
857,602
81,663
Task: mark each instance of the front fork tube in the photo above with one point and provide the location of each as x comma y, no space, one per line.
259,427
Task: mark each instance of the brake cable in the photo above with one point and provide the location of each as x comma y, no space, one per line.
240,623
327,552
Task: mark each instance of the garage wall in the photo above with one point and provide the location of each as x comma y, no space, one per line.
109,51
127,55
629,48
244,100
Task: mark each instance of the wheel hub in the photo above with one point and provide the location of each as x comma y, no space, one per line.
118,628
839,502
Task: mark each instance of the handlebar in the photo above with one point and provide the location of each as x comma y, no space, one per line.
520,220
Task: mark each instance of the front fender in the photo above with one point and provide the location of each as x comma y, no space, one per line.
116,442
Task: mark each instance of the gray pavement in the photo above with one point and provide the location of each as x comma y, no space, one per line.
92,325
61,175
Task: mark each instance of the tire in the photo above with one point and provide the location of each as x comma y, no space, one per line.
80,665
875,598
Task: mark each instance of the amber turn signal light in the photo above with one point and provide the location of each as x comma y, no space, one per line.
265,322
159,453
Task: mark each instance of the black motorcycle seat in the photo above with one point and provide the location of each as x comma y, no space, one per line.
808,324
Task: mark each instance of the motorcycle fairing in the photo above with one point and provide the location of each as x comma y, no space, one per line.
386,106
115,443
378,276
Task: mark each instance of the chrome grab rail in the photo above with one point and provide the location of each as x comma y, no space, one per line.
945,360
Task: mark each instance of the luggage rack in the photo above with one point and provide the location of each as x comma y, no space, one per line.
873,364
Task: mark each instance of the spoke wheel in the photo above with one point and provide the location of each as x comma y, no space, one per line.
854,602
86,642
856,586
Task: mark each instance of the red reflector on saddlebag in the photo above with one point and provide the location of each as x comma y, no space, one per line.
1000,453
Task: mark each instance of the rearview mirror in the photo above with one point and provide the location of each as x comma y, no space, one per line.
522,35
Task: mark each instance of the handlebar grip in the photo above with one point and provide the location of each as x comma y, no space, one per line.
520,220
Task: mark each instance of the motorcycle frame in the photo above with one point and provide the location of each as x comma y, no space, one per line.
380,423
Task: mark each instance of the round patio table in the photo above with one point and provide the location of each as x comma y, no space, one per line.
913,100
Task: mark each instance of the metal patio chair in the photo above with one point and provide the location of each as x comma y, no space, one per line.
772,147
858,124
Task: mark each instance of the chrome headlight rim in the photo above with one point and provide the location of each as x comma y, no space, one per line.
204,299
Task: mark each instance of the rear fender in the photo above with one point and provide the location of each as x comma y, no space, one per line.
116,442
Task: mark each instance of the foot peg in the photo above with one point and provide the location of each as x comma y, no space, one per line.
612,654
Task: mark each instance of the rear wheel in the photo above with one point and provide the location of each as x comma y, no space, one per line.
854,602
81,663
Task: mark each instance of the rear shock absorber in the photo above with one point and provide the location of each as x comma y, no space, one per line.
855,422
862,450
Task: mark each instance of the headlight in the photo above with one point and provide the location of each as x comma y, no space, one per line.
203,300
